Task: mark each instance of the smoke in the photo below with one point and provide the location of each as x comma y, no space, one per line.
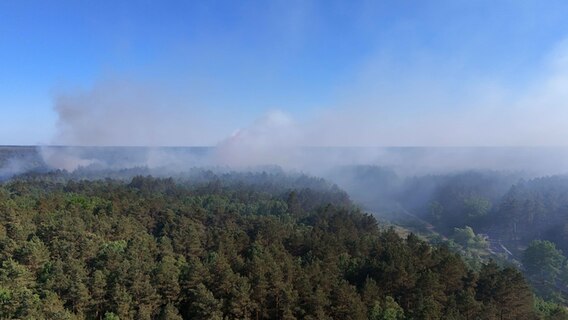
127,113
419,105
425,106
17,160
66,158
14,166
472,122
273,139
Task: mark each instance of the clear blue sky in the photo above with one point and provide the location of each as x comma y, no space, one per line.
247,57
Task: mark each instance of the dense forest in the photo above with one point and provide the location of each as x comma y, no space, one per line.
484,215
232,246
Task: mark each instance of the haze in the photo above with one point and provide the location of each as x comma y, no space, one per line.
259,79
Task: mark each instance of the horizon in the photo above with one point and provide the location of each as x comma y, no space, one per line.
417,160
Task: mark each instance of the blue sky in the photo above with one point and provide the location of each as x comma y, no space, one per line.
231,62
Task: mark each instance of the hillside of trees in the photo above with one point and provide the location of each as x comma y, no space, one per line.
483,214
238,246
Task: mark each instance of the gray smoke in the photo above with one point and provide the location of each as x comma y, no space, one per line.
379,110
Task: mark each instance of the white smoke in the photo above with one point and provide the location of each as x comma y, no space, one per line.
371,112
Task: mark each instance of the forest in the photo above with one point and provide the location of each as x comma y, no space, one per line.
513,217
284,159
231,246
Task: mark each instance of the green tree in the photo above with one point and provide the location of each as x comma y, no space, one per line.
204,305
543,264
505,293
122,302
388,309
98,292
476,207
547,310
346,303
111,316
167,279
17,296
169,312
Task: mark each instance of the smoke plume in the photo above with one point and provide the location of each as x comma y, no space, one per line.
379,110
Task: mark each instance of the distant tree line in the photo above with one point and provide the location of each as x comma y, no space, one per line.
478,208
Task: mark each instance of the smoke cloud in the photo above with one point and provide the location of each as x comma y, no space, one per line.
121,113
127,113
381,109
426,109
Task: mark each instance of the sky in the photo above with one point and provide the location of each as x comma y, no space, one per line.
284,72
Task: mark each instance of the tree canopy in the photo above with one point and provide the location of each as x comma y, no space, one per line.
151,248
